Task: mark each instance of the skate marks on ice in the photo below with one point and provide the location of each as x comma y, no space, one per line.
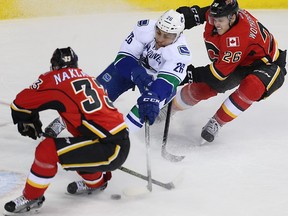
10,181
180,141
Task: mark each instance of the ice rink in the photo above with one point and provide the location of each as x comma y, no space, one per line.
243,173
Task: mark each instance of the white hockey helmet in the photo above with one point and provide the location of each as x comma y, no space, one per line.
171,22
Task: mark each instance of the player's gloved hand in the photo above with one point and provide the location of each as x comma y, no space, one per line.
191,15
30,129
189,75
140,77
148,104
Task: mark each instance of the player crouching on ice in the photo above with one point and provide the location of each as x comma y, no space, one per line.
99,143
154,57
243,53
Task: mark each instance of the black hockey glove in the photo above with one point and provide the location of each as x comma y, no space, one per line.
191,15
281,61
189,75
30,129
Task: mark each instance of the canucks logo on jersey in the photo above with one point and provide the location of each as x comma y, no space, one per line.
143,23
183,50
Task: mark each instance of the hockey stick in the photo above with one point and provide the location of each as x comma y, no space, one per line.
4,102
165,154
5,124
168,186
148,159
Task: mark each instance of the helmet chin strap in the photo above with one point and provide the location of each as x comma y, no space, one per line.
230,20
176,38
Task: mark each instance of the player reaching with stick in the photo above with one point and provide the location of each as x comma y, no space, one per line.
154,57
99,143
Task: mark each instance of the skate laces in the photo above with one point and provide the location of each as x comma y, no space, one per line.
212,126
81,186
21,204
210,130
21,201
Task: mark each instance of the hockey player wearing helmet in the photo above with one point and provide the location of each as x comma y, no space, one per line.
64,58
154,57
171,29
99,142
243,54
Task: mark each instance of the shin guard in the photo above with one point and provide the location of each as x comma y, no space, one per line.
250,90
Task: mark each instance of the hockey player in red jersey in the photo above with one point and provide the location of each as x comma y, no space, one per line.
99,143
243,53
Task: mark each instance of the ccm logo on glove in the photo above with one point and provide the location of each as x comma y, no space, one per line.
154,100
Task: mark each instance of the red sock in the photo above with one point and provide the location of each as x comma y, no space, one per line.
96,179
250,90
43,169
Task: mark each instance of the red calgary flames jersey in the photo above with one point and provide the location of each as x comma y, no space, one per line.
247,41
80,100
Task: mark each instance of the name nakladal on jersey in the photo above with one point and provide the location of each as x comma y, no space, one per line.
69,74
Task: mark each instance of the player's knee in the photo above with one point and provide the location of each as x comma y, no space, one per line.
46,152
197,92
252,88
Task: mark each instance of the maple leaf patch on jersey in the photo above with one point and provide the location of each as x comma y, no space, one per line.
233,42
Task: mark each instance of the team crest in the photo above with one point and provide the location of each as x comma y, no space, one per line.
143,22
233,42
106,77
183,50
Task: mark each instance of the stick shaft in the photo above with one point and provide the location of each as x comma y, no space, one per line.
148,158
168,186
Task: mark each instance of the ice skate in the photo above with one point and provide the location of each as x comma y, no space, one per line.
163,114
79,187
22,205
210,130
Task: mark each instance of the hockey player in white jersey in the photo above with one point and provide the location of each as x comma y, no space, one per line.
154,57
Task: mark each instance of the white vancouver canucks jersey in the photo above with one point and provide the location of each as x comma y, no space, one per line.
171,60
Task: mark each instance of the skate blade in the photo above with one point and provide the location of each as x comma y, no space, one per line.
24,212
203,142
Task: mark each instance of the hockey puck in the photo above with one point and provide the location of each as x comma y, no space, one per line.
115,196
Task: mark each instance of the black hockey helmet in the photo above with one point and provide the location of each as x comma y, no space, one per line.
220,8
63,58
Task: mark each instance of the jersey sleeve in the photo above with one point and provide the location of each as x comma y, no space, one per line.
77,97
176,57
134,44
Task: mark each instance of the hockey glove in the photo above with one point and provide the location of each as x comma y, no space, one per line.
148,104
30,129
193,16
189,75
140,77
